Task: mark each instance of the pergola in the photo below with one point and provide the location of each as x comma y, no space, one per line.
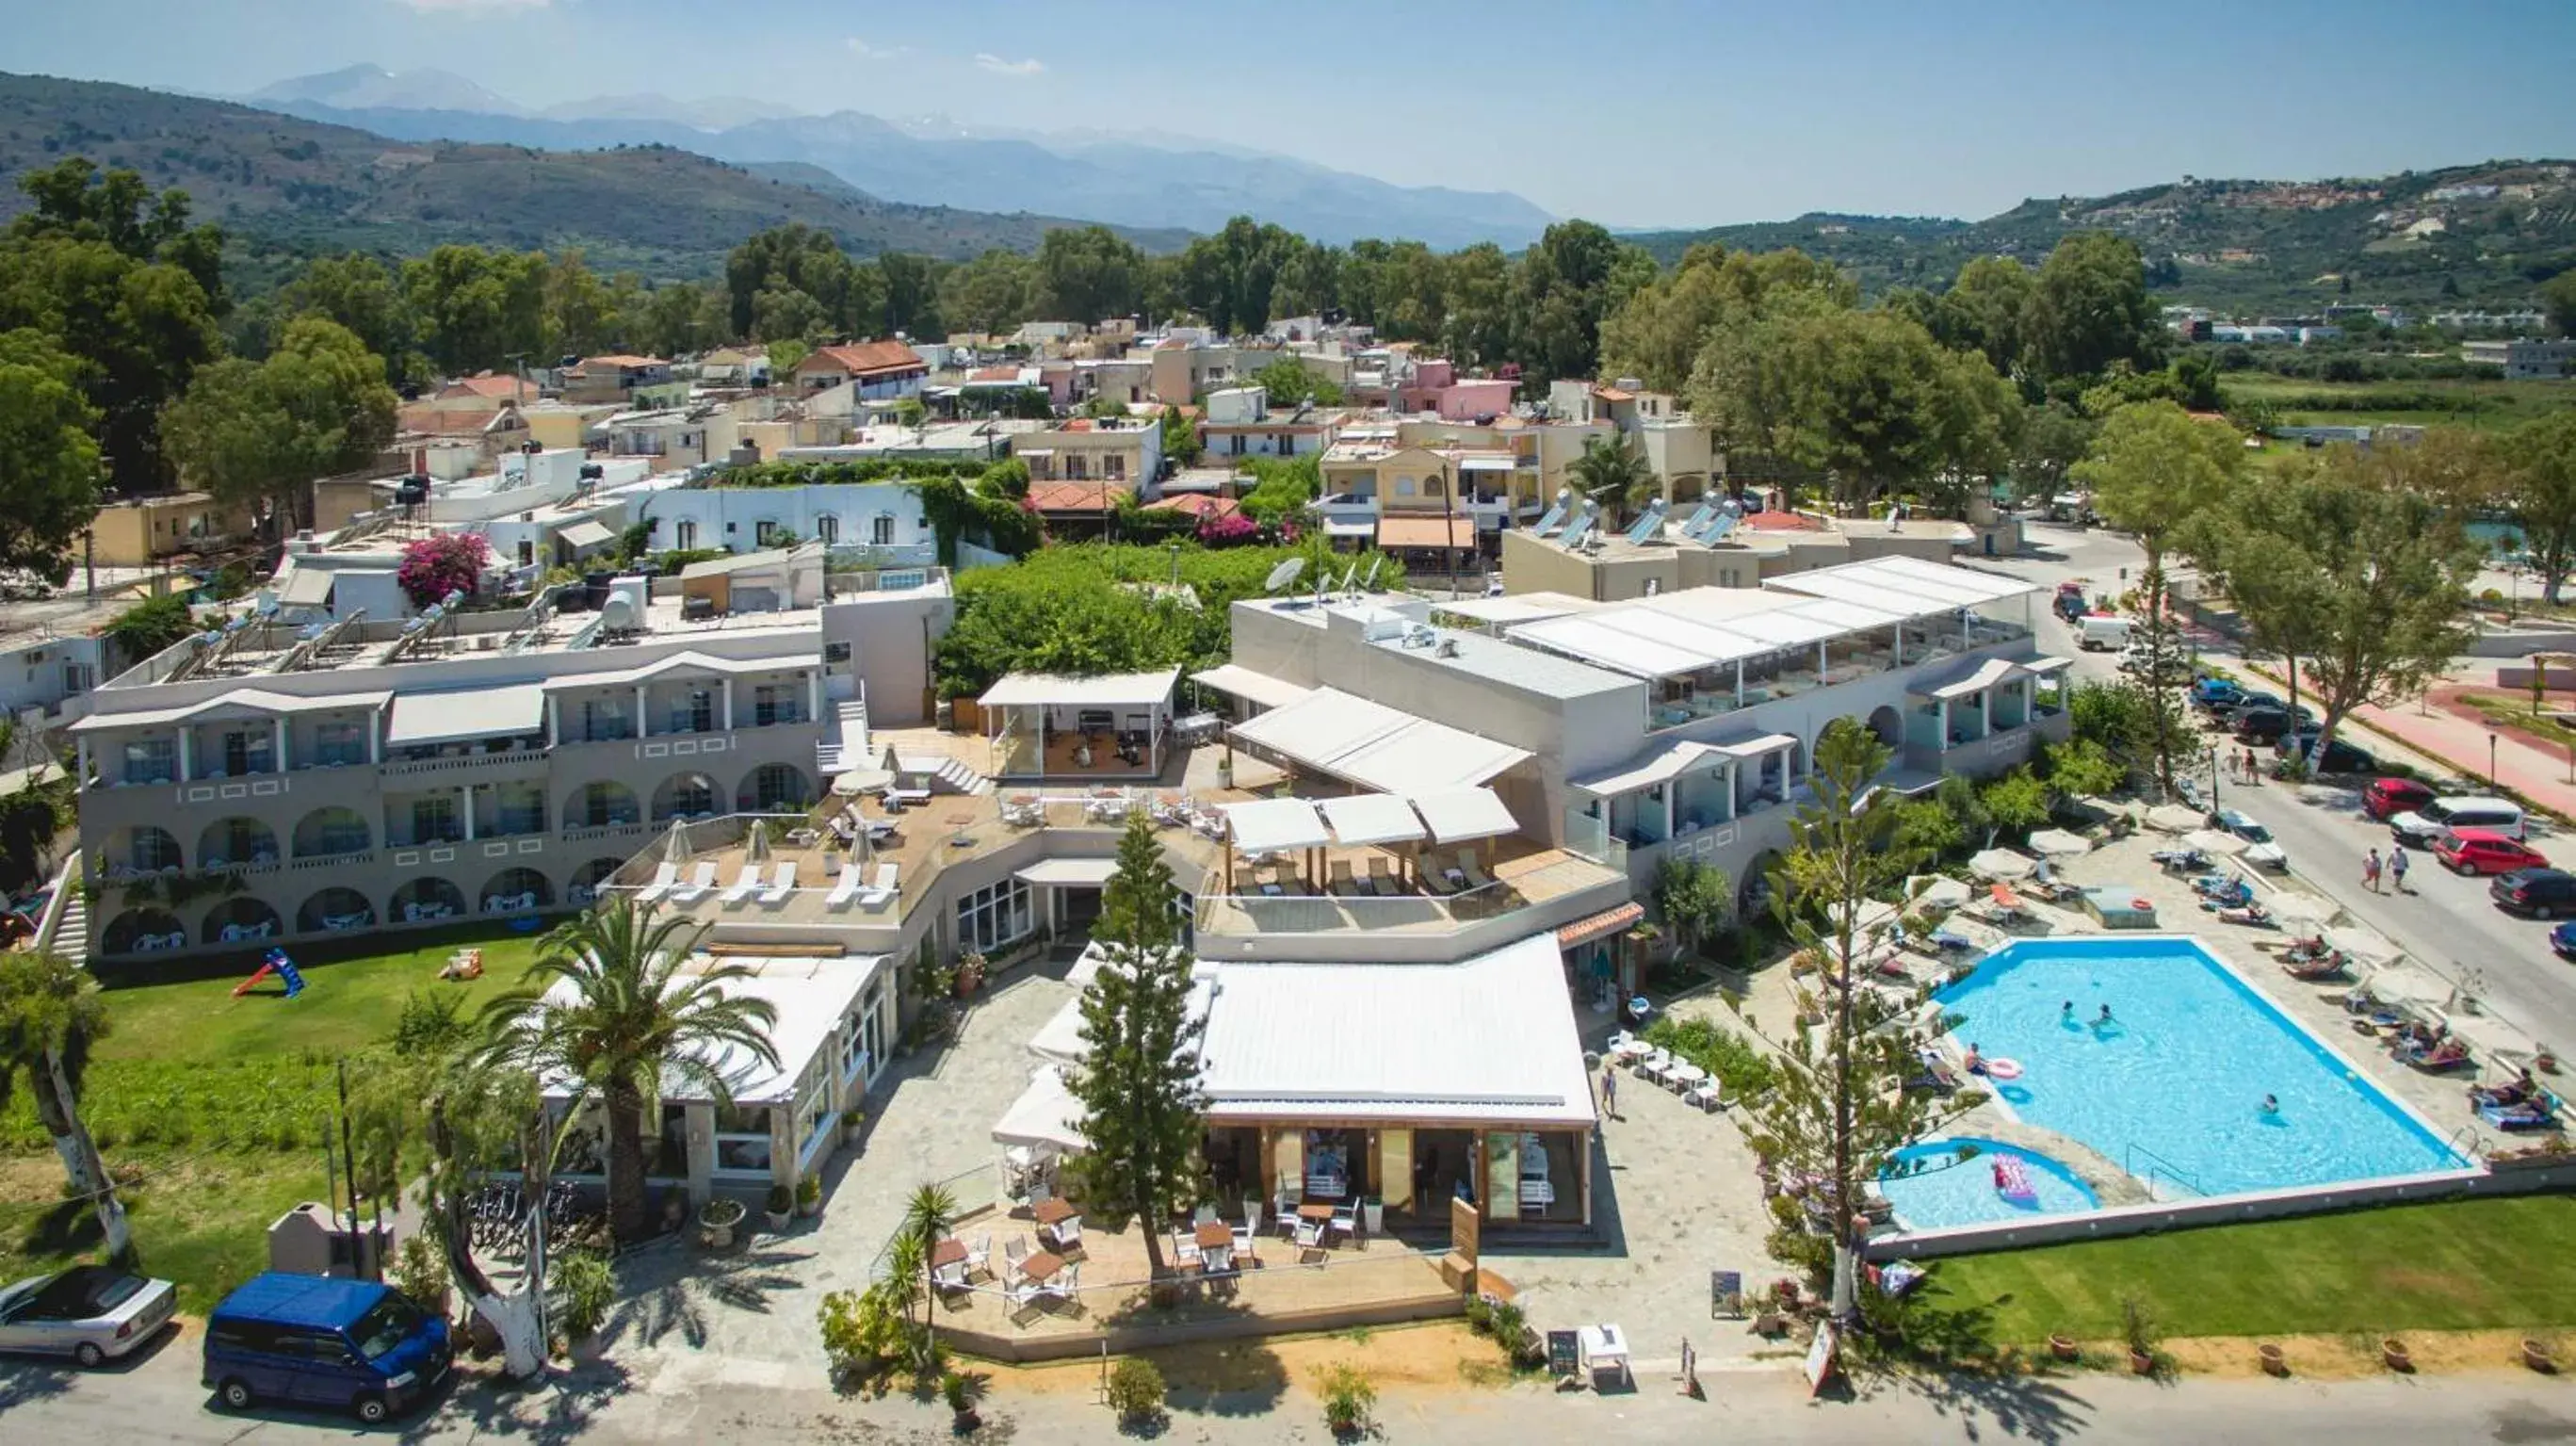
1125,705
1305,826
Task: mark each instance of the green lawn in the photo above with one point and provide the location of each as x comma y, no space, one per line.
2457,1266
2486,405
220,1106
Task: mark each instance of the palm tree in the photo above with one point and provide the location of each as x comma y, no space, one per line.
50,1015
927,1219
1613,476
624,1019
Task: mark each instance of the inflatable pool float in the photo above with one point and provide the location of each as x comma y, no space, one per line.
2004,1068
2012,1180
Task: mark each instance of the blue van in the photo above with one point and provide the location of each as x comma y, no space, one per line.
308,1340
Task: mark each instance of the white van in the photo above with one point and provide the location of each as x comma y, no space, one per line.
2101,633
2423,827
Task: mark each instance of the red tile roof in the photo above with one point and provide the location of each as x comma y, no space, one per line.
1608,921
485,384
868,358
1197,504
1076,496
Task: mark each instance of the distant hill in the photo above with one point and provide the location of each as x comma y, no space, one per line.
2466,235
300,184
1135,179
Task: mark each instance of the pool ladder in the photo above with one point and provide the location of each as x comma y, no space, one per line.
2159,1168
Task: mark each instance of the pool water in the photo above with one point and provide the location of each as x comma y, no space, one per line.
1952,1182
2172,1088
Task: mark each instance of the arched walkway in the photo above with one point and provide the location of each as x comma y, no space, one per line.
236,840
587,879
333,910
242,919
140,848
326,832
425,900
142,931
1890,728
776,788
517,891
602,805
688,795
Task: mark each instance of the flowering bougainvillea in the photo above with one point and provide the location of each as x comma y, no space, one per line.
440,564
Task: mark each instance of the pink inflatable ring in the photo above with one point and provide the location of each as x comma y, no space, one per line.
2004,1068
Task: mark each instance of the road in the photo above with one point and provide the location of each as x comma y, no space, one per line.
159,1400
2445,923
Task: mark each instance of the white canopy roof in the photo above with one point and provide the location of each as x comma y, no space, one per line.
1985,675
1347,1041
1060,1038
1372,818
1461,814
1046,1115
426,718
255,699
1527,607
1375,746
812,996
588,532
1275,825
1662,765
1104,690
1238,681
1078,873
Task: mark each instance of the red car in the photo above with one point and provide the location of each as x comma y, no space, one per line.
2485,851
2385,798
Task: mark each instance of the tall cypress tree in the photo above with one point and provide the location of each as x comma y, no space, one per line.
1138,1081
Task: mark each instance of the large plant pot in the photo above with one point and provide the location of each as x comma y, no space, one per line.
717,1221
2141,1363
2393,1353
2062,1348
2274,1364
2538,1356
777,1220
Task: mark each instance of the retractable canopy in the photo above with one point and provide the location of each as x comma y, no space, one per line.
1372,818
1462,814
1276,825
421,719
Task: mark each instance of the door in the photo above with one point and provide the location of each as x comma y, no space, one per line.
19,1330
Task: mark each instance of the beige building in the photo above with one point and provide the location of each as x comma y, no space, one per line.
1611,568
144,530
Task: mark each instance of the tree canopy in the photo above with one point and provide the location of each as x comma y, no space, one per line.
262,432
48,459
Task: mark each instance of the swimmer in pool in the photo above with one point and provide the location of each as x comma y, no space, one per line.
2066,1011
2104,1017
2271,1105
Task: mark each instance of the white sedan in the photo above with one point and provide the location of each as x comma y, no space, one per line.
90,1313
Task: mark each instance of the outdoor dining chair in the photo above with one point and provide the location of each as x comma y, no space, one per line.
1185,1248
1309,1236
979,1256
1065,1285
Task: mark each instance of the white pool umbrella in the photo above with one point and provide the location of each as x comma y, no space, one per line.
755,845
2057,843
2303,908
2173,818
2489,1034
2001,864
1944,892
2369,948
862,780
2214,841
675,845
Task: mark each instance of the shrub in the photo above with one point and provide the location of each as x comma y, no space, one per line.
1136,1392
420,1273
1348,1398
781,1200
584,1284
864,1332
1735,1061
959,1395
442,563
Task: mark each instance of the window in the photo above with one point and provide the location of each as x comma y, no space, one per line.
836,652
433,819
813,1104
604,720
772,703
527,552
765,532
152,760
1117,466
1404,486
339,742
827,528
881,530
742,1140
699,716
994,916
863,1035
684,536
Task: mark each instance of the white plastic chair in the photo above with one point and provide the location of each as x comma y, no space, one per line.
665,877
847,888
745,884
979,1256
1249,1230
1185,1248
782,882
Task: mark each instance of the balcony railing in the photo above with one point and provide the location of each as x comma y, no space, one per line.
1240,914
413,767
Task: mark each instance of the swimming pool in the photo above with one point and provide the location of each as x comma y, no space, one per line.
2171,1089
1932,1187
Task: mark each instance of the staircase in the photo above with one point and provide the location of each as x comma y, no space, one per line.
845,741
952,776
64,926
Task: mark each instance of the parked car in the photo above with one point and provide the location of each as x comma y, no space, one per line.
2385,798
2224,711
2563,939
2421,826
2208,692
353,1345
2101,633
2141,664
2541,893
2262,725
2260,851
90,1313
2485,851
2340,757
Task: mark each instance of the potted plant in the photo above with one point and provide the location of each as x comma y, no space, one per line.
585,1286
970,974
2140,1330
2273,1362
961,1400
809,1196
2394,1354
781,1207
2062,1347
2539,1355
717,1221
854,1123
1348,1398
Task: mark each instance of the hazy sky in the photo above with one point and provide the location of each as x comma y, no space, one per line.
1644,112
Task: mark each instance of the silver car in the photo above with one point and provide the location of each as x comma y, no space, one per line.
90,1313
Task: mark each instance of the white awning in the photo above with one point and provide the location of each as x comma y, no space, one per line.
1756,747
2042,667
586,534
1375,746
1486,464
1074,873
1372,818
426,718
1275,825
1645,771
1060,1038
1460,815
1237,681
307,587
1987,674
1512,608
1104,690
1046,1116
1365,528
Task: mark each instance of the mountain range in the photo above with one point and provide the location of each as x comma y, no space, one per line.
1143,179
282,182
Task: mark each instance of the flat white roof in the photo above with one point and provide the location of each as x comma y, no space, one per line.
1102,690
426,718
1526,607
1080,873
256,699
811,997
1489,1038
1375,746
1238,681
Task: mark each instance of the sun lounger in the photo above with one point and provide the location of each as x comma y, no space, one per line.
846,887
700,880
1476,878
881,889
2449,1054
2529,1115
782,881
2006,901
745,884
1381,877
1338,880
664,876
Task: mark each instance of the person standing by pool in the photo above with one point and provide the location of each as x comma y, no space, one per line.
2370,871
2397,866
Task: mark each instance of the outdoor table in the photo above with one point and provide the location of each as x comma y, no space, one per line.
1040,1267
1320,1214
1684,1076
1628,1049
1054,1210
947,1252
1606,1346
1216,1235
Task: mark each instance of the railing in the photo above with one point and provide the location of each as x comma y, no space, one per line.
411,767
50,922
1237,914
2159,1168
351,859
591,832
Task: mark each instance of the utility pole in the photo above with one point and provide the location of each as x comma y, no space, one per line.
1449,525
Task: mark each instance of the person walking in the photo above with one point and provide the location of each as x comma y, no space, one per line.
2397,866
1609,1090
2370,871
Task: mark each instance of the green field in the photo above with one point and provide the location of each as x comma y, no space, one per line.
219,1107
2485,406
2464,1265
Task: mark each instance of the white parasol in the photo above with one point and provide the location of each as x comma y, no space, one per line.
2214,841
2174,818
2057,843
2001,864
862,780
2366,946
675,845
1943,892
755,845
2303,908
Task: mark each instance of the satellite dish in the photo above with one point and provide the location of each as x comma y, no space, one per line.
1284,574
